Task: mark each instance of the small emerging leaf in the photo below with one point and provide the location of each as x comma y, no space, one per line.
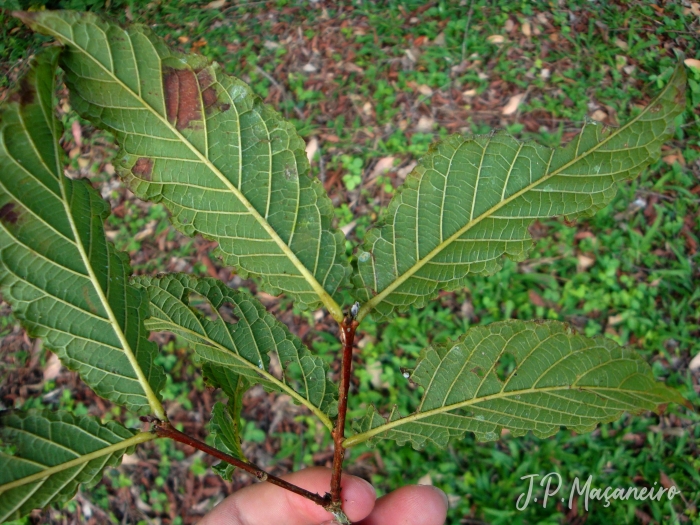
71,450
196,139
64,281
225,424
225,428
231,329
471,200
556,378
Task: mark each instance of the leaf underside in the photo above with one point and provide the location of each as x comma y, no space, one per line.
471,200
231,329
50,439
64,281
196,139
225,423
560,379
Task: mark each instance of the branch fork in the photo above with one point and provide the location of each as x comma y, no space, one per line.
331,502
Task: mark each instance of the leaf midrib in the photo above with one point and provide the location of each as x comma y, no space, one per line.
326,299
152,398
141,437
372,303
364,436
261,371
153,401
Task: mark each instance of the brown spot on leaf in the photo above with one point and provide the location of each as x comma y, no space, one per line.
206,85
143,168
680,98
225,107
209,97
204,78
8,213
182,102
25,94
91,305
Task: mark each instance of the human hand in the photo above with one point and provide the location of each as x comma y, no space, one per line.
267,504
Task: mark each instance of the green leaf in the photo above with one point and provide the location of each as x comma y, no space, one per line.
559,379
54,453
225,424
231,329
225,164
225,428
471,200
64,281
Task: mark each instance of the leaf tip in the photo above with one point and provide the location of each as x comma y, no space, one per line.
26,17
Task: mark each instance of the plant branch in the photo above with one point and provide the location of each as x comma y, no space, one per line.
348,327
165,429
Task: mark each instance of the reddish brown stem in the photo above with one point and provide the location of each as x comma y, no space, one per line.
165,429
348,328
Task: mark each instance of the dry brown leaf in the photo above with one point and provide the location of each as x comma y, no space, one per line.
584,262
535,298
496,39
147,231
615,319
526,28
694,365
311,149
513,104
353,68
77,132
348,228
425,480
130,459
425,125
665,481
599,115
52,368
692,62
673,158
621,44
425,90
216,4
403,172
382,166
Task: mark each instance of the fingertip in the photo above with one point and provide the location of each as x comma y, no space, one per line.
441,493
358,497
264,503
410,505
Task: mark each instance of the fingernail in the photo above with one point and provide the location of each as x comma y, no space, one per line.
444,496
368,484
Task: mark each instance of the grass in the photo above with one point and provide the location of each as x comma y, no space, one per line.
360,79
